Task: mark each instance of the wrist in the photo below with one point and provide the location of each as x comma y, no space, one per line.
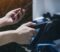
15,35
3,22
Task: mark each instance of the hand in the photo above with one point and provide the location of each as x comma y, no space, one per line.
14,16
25,33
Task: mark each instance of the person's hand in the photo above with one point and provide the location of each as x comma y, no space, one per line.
25,33
14,16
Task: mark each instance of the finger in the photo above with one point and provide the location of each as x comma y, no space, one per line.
19,14
29,24
19,9
32,34
12,16
16,10
22,11
16,16
33,31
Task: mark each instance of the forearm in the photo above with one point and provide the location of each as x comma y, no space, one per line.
7,37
